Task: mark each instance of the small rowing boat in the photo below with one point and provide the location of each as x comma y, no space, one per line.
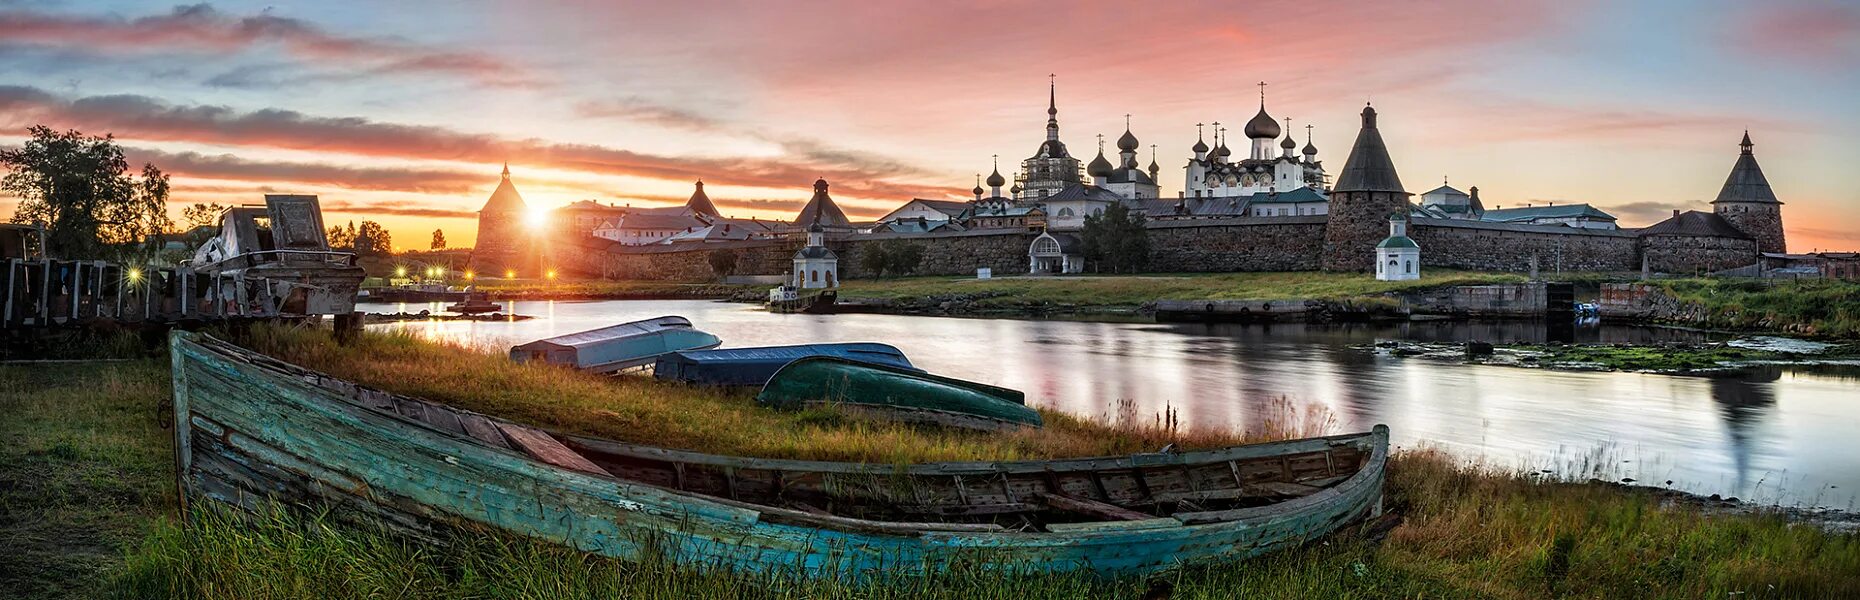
754,366
899,394
617,347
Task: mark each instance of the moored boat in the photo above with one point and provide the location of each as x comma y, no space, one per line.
617,347
754,366
899,394
250,428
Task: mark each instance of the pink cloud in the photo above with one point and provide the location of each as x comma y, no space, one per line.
1824,35
200,27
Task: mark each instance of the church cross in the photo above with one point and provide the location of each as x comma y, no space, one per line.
1262,93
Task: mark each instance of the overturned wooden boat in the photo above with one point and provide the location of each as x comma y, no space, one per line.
754,366
617,347
250,428
898,394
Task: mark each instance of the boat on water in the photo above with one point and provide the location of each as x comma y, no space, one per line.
474,303
249,427
617,347
275,261
897,393
754,366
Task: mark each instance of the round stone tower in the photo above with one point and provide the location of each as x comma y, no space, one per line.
1366,194
1748,203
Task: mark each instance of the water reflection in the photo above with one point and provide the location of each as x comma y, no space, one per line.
1764,435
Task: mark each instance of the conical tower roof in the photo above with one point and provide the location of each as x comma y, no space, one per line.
1369,168
1746,183
700,203
821,210
505,198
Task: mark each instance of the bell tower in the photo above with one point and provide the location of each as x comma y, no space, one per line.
1749,204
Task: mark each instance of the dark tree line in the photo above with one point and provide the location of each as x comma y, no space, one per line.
78,188
1116,240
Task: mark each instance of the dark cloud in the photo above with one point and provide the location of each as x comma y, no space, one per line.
143,118
200,27
231,167
1648,212
641,110
397,208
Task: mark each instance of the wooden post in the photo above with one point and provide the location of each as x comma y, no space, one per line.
348,327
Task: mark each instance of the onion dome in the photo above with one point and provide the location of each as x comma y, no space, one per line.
995,179
1263,126
978,186
1287,143
1223,151
1099,167
1127,141
1016,189
1310,150
1200,146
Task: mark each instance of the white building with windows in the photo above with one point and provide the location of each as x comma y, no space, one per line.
1056,253
1398,258
1212,173
816,266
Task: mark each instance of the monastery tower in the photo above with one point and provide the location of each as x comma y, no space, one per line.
1367,192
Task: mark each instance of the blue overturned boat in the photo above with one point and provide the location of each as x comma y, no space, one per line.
754,366
617,347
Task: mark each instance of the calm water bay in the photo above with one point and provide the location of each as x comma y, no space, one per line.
1781,435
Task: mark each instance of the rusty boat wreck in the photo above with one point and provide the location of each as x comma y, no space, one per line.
250,428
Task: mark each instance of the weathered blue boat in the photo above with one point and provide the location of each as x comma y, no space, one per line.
754,366
898,394
617,347
250,428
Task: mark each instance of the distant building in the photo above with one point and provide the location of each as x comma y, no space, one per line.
1447,203
1056,253
1398,258
1749,204
640,226
815,265
823,211
1052,167
501,228
1213,173
1572,215
929,210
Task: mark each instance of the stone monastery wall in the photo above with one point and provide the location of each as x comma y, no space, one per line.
1184,246
1501,247
1239,244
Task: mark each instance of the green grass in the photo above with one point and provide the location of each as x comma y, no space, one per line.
1822,307
1134,290
85,469
86,489
1652,358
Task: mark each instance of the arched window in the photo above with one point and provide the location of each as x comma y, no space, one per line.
1065,212
1408,266
1046,245
1391,264
1379,269
813,275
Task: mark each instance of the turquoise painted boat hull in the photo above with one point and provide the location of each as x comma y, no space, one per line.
250,429
617,347
896,393
754,366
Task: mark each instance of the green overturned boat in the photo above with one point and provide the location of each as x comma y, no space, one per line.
897,394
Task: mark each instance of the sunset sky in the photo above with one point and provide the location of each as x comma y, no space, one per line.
403,112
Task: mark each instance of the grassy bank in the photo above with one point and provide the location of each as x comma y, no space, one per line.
1823,307
1131,291
86,460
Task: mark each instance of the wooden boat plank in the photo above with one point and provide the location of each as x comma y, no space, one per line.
1093,508
1131,525
482,429
538,444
